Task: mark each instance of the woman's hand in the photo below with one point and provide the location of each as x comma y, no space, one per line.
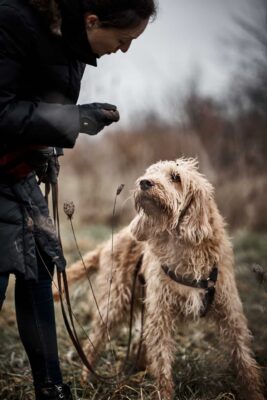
94,117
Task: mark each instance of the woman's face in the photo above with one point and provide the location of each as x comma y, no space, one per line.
109,40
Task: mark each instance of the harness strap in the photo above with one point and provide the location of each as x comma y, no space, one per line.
207,284
197,284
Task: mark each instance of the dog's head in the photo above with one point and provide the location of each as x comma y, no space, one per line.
173,195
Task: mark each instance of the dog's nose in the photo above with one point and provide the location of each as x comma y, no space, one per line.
145,184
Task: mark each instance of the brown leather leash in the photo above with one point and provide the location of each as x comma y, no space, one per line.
68,315
63,284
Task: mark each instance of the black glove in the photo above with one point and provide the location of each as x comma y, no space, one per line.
94,117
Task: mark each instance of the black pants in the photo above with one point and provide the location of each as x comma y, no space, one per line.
36,323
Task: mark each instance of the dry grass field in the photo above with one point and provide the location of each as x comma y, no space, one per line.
201,370
233,156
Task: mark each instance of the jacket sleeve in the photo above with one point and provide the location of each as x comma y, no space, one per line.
22,120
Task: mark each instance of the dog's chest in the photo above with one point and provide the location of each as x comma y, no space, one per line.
180,300
167,250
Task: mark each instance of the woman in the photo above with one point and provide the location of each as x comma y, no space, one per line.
44,46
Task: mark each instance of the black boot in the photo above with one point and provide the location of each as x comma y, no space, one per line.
54,392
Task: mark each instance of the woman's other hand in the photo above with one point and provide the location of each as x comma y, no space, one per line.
94,117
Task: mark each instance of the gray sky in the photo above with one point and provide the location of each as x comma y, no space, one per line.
186,37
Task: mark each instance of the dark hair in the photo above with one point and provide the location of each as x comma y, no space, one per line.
121,13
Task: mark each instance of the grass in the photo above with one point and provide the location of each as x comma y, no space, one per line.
201,371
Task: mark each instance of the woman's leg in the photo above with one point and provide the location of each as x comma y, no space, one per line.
36,325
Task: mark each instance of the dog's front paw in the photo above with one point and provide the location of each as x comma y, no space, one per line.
162,395
165,390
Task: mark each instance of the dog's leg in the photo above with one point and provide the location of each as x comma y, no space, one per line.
159,342
119,307
234,331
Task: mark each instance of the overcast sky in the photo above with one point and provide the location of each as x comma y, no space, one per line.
187,36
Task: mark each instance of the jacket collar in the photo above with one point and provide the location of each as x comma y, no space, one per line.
65,18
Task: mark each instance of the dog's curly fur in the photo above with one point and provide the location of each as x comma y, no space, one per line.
191,245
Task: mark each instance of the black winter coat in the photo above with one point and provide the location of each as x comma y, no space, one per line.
40,75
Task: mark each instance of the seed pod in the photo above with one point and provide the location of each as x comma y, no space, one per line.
69,209
259,271
120,189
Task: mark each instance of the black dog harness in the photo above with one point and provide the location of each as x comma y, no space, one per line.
207,284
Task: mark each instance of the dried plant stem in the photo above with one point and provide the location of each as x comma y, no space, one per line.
69,210
119,190
91,287
112,258
87,275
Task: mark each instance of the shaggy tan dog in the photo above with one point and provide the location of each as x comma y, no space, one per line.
182,236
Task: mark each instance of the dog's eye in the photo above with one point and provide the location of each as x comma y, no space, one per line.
175,177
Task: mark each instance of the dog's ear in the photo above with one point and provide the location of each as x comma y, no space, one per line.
195,225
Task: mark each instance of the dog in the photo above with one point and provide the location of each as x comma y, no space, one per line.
188,268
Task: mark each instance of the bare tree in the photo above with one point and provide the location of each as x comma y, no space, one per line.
251,75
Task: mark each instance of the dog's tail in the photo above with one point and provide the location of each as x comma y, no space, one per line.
80,269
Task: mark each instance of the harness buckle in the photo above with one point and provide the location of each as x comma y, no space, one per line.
210,283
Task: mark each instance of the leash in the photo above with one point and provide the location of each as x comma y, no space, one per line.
68,317
63,283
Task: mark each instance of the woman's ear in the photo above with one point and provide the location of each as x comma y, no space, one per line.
195,225
91,21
